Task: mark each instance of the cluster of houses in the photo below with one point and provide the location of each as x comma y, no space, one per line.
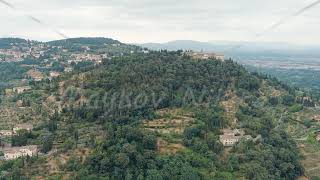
205,55
20,51
10,153
232,137
12,55
97,58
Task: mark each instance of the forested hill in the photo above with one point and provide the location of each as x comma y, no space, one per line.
6,43
159,115
84,41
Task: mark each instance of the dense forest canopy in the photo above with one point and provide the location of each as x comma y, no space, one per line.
131,153
6,43
84,41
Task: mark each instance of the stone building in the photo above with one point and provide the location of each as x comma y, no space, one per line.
23,151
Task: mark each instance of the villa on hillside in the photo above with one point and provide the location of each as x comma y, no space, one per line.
231,137
23,151
205,55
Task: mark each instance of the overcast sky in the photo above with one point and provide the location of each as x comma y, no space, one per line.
137,21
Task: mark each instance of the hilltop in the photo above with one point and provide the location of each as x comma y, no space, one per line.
161,115
98,41
296,65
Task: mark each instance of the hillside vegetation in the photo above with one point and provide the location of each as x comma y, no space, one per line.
159,115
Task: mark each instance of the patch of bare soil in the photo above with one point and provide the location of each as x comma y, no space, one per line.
166,148
231,106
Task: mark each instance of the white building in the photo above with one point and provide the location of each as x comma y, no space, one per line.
205,55
23,151
231,137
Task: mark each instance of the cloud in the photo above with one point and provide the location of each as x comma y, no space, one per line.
159,21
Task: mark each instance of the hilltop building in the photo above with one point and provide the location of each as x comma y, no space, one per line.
205,55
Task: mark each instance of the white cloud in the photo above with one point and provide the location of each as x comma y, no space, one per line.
160,21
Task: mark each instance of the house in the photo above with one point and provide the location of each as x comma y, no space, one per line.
23,151
4,133
318,137
25,126
231,137
229,140
22,89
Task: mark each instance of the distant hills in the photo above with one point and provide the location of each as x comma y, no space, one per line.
234,48
6,42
